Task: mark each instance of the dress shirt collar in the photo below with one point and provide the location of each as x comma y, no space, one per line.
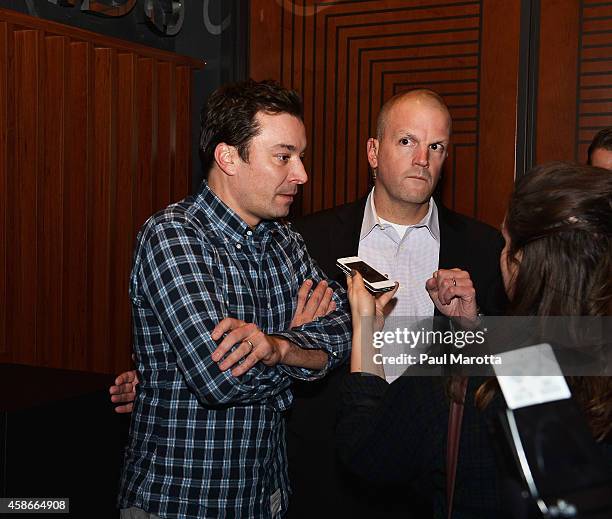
372,220
225,220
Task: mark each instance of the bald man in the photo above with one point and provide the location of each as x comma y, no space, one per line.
400,230
600,150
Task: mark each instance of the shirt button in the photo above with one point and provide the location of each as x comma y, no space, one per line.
238,246
249,233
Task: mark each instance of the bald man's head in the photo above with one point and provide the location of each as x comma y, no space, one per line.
407,154
420,96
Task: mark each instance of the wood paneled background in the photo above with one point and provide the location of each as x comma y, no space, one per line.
94,137
594,106
347,57
575,77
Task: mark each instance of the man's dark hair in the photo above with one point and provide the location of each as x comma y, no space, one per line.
602,140
229,115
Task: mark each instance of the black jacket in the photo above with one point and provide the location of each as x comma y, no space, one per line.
322,488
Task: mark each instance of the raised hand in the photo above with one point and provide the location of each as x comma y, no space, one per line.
312,305
364,304
453,293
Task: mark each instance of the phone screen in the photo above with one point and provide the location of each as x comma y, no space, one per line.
367,272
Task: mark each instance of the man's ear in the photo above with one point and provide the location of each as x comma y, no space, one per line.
373,152
226,158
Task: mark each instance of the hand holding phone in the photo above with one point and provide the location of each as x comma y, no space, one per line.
374,281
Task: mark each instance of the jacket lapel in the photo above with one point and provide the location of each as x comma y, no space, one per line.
351,219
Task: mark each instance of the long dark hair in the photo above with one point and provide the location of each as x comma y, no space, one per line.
559,223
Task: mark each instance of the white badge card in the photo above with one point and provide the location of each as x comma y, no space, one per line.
524,388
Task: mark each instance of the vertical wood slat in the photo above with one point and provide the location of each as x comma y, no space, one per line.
71,151
337,176
327,173
182,177
307,90
556,110
4,168
78,162
127,157
21,225
349,159
50,202
498,95
101,185
318,141
165,145
287,26
143,206
268,15
363,128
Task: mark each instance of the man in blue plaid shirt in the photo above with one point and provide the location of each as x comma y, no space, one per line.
214,291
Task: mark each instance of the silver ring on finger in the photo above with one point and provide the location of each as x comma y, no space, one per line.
251,345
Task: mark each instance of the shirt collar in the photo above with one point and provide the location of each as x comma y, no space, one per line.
371,219
225,220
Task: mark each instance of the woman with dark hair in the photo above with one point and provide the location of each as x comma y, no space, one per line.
557,262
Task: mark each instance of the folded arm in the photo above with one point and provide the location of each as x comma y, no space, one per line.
331,333
312,303
176,275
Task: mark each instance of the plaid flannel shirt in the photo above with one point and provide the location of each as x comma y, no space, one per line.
204,443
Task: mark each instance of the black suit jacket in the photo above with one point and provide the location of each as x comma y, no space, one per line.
465,243
321,486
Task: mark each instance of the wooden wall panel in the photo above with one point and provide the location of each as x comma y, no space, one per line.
50,200
88,150
574,86
165,142
348,58
22,264
594,110
77,172
127,160
557,85
497,109
146,132
100,210
182,156
4,151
